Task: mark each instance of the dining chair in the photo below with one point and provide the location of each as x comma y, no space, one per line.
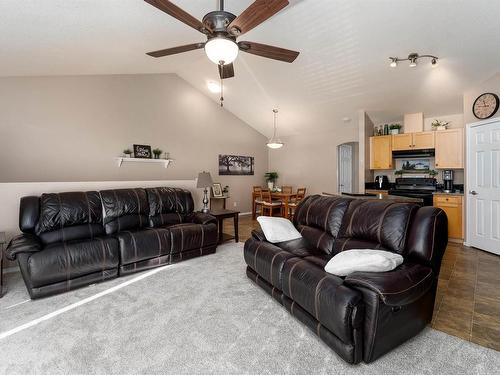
257,201
301,193
268,204
287,189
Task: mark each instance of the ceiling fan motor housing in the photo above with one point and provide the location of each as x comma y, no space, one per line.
218,22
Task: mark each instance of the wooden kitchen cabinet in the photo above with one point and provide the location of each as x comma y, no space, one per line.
413,141
401,142
381,152
423,140
449,149
452,205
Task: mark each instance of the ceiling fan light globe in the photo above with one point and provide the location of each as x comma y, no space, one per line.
275,143
221,49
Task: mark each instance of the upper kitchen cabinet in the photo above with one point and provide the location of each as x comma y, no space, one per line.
413,141
381,152
449,149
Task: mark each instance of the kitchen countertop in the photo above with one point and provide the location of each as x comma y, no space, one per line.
382,197
443,193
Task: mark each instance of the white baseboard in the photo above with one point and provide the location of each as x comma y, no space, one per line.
244,213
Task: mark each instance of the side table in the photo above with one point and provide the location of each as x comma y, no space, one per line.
220,215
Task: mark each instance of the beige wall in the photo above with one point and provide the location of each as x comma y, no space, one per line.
490,85
310,160
71,129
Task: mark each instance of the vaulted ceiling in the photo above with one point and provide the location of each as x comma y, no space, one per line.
343,65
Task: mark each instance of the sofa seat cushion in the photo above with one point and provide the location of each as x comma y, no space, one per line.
141,244
324,296
190,236
267,260
68,260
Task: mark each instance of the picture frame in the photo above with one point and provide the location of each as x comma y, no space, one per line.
236,165
142,152
217,190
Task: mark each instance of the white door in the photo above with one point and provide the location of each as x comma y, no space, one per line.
345,168
483,185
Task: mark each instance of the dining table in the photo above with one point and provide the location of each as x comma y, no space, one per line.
283,197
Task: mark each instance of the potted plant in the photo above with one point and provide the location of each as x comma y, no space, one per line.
127,152
395,128
399,173
440,125
433,173
271,178
157,152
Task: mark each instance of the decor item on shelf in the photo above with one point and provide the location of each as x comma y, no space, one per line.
204,182
236,165
127,152
275,142
439,124
142,151
221,29
433,173
413,58
399,172
217,190
225,191
157,152
167,155
271,178
395,128
486,105
386,129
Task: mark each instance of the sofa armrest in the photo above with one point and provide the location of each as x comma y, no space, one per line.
399,287
258,234
24,243
201,218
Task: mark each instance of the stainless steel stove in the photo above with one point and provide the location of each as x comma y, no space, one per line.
415,187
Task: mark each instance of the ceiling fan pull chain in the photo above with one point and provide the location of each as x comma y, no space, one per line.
222,86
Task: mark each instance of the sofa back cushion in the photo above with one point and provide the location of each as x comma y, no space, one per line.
124,209
319,219
168,206
69,216
381,223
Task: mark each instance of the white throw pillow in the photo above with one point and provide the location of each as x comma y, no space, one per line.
363,260
278,229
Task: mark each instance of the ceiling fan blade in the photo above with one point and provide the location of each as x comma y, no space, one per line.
226,71
270,52
255,14
175,50
176,12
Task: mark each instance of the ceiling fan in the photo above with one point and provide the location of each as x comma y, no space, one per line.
222,28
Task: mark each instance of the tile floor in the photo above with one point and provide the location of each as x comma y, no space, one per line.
468,296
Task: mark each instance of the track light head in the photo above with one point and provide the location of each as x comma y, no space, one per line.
394,62
434,62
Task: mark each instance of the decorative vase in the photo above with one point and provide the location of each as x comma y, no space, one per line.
127,155
270,185
394,131
441,128
157,156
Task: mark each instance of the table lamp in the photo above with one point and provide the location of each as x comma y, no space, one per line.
204,181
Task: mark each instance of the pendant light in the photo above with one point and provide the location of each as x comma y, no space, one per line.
275,142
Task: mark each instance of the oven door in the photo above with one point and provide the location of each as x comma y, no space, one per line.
426,197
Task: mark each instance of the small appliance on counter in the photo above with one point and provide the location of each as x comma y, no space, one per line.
382,182
447,181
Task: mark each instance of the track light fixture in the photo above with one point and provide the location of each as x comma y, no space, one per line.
413,59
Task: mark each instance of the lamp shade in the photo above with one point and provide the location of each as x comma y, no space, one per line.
204,180
221,49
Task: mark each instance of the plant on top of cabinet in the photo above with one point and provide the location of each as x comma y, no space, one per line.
157,152
395,128
440,124
127,152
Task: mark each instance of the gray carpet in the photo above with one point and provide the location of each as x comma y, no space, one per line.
202,316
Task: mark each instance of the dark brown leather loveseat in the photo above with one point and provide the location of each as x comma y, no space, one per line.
363,315
79,238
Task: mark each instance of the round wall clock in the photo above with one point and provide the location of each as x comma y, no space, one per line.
485,106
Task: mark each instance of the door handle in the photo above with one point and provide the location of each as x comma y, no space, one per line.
473,192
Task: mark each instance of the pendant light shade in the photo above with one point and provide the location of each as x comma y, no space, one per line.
275,142
221,50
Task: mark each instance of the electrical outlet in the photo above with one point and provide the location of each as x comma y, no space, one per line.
235,204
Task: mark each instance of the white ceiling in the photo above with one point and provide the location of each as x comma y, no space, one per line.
343,66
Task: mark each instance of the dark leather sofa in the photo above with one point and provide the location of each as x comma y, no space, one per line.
74,239
363,315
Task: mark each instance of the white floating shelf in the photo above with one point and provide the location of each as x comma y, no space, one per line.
120,160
